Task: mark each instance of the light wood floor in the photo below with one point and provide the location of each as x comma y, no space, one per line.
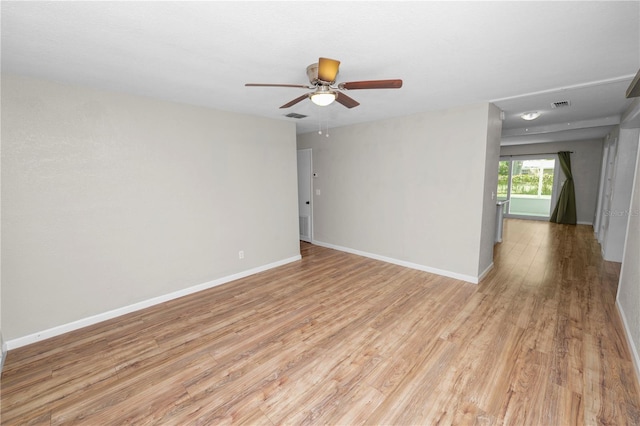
341,339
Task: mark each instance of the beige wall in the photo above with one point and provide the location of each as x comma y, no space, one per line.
409,189
110,199
629,286
2,344
586,162
628,297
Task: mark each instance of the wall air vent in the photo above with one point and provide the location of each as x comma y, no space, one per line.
560,104
294,115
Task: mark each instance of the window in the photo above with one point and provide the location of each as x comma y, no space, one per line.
528,183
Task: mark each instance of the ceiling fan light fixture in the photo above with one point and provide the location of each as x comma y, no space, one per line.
323,98
322,76
530,115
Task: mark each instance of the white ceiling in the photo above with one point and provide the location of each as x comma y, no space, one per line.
520,55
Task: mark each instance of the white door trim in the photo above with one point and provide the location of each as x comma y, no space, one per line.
309,179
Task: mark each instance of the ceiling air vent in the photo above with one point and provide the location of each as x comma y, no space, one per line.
294,115
560,104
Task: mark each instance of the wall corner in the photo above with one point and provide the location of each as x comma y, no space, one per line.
3,357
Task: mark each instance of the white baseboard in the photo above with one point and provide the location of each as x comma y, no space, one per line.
3,345
523,217
455,275
634,352
485,272
75,325
545,219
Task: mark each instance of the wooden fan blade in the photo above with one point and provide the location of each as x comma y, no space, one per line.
328,69
277,85
295,101
371,84
346,100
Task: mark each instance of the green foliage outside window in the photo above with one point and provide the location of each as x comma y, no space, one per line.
525,184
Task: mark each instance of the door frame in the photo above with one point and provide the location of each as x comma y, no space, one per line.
309,178
601,188
554,188
611,154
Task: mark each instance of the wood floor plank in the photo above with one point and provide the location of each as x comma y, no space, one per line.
341,339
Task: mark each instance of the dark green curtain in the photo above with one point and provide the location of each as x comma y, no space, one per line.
565,211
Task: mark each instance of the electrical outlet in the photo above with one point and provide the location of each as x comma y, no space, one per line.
241,254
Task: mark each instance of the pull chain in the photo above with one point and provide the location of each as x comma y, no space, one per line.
321,116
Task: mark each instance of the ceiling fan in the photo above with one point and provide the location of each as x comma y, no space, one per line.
322,79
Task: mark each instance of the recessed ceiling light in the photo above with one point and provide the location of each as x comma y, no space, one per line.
530,115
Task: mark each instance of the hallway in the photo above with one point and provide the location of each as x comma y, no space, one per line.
555,288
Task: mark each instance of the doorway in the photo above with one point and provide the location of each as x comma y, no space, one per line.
305,210
529,182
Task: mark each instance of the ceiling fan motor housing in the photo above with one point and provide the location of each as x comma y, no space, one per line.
312,73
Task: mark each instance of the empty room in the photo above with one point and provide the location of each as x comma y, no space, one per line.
380,213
